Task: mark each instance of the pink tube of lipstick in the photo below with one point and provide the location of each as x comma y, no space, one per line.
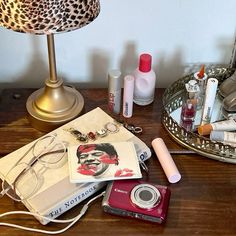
128,96
166,160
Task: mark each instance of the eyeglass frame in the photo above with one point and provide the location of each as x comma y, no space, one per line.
31,163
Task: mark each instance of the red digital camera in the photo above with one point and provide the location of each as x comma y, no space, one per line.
137,199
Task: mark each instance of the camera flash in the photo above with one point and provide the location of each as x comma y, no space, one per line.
166,160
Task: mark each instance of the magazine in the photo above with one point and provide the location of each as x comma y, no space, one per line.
97,162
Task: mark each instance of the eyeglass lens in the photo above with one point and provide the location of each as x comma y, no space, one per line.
23,178
49,150
24,181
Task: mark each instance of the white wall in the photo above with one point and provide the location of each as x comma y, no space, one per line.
178,33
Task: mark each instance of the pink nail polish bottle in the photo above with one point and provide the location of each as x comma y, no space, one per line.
145,81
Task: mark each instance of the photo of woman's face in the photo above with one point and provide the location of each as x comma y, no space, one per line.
92,162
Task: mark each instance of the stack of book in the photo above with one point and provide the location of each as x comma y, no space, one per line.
59,191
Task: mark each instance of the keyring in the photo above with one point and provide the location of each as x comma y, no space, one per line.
133,129
138,130
101,133
111,127
129,127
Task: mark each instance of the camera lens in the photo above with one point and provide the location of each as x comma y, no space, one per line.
145,196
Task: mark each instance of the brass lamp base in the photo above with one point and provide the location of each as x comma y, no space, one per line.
53,106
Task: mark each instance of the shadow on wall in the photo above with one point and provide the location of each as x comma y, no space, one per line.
227,48
36,71
168,68
130,58
164,69
100,65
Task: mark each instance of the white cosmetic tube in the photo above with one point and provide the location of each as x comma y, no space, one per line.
114,91
128,96
166,160
223,136
209,100
224,125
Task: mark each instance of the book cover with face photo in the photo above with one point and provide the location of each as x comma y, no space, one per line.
102,162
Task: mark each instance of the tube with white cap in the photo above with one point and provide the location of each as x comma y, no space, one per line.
210,96
223,136
166,160
128,96
114,91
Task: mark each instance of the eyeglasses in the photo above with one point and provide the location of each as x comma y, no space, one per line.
23,179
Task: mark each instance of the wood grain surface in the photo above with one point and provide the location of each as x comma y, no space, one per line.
202,203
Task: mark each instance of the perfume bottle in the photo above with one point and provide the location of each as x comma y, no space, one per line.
145,81
192,89
201,78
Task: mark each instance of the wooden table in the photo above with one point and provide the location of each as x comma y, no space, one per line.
202,203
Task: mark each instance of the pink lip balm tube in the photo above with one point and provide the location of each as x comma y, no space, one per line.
166,160
128,96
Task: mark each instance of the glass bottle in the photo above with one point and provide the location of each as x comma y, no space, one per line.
145,81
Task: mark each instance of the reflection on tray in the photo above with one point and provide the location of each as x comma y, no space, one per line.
172,101
216,115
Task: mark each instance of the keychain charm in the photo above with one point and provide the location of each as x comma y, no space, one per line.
101,133
111,127
132,128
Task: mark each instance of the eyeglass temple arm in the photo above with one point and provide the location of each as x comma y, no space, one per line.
4,191
35,159
26,153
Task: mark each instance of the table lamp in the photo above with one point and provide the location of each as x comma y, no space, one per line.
55,104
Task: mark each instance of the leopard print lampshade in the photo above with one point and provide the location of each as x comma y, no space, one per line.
47,16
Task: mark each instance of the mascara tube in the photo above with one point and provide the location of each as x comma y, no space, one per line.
128,96
209,100
114,91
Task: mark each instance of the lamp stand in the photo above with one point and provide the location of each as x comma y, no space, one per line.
55,104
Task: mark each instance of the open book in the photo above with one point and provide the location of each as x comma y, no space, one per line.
55,193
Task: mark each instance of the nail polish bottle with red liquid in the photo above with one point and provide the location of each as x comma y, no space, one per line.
188,113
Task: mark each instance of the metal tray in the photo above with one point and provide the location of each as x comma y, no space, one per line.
172,100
